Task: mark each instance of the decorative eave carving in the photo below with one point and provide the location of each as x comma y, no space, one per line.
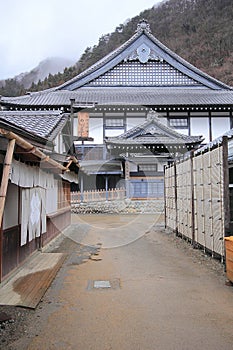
144,53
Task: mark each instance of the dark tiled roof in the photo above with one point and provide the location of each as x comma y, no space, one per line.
151,96
153,131
44,124
188,85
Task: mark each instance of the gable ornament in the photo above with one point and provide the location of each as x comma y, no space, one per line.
142,26
143,54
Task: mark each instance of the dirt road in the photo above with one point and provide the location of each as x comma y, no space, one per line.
149,293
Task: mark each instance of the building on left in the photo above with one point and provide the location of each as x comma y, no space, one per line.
37,167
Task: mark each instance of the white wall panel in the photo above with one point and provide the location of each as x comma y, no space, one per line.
200,126
219,126
51,199
10,218
113,132
96,129
132,122
182,131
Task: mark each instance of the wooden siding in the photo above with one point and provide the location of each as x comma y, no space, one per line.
56,223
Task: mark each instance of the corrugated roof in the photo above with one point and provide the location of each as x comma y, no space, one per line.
125,96
44,124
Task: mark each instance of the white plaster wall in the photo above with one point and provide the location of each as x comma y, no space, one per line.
230,148
200,126
161,165
59,144
56,147
75,126
133,167
51,199
219,126
10,217
132,122
96,129
113,132
182,131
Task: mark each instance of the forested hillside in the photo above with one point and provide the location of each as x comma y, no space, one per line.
200,31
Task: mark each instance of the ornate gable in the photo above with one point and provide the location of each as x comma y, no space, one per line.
153,132
142,61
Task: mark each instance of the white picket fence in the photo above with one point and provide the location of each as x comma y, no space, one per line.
98,195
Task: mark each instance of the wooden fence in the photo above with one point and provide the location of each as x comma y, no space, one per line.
97,195
197,197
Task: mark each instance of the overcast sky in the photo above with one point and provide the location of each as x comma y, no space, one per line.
32,30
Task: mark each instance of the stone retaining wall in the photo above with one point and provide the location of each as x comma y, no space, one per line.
125,206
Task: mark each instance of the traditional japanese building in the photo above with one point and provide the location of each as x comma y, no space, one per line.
116,94
145,150
35,183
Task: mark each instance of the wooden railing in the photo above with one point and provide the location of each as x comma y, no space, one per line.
98,195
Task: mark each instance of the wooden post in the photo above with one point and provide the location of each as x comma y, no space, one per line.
226,194
192,198
226,199
3,189
165,198
106,187
81,188
5,175
210,127
176,198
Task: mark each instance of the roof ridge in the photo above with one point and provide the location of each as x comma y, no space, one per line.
99,63
143,28
186,63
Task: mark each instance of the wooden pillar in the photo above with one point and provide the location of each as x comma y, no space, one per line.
106,186
176,198
226,195
165,198
189,123
127,176
192,198
81,187
210,127
3,189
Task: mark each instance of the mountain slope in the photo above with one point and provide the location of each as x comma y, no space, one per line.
51,65
200,31
46,68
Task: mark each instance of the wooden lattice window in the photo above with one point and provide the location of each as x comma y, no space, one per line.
148,167
178,122
114,122
63,194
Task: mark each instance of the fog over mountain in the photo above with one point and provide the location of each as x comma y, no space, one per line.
51,65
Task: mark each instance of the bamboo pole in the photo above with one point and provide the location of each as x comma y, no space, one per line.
3,189
5,175
31,149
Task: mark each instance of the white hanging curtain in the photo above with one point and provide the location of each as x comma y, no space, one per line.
28,176
33,214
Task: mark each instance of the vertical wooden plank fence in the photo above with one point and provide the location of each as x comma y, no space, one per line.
197,197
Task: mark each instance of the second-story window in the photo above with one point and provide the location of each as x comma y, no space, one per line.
114,126
178,122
